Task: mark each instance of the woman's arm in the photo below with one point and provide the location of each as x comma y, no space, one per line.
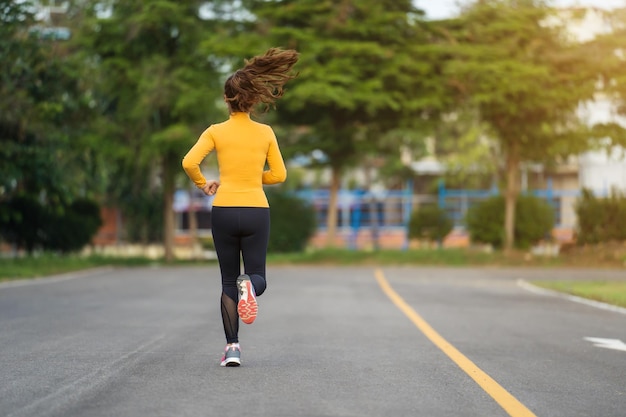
199,151
277,172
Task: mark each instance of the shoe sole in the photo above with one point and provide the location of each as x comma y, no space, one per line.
247,306
231,362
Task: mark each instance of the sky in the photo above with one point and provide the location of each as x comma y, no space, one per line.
439,9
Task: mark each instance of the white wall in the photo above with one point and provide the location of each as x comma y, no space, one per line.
602,170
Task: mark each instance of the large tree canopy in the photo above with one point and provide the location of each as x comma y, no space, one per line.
112,111
157,91
43,111
526,80
367,67
609,52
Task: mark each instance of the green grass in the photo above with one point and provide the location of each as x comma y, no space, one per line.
426,257
351,257
44,265
50,264
611,292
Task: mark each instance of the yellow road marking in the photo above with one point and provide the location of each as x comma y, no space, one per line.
508,402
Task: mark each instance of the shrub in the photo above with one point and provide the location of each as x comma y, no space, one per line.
32,225
23,220
70,228
534,219
143,217
207,242
601,220
292,222
430,222
485,221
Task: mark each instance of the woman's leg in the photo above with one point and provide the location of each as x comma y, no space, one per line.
224,226
230,319
255,228
239,231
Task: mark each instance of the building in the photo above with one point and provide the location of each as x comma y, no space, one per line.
51,16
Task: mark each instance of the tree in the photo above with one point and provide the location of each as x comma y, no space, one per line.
29,104
367,67
42,113
525,79
534,221
465,145
608,52
156,90
430,222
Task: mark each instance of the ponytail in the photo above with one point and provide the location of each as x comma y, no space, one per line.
261,80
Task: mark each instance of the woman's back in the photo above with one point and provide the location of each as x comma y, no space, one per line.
243,146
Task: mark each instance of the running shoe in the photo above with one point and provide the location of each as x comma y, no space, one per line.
232,356
247,306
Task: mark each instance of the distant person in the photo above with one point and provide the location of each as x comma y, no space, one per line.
240,220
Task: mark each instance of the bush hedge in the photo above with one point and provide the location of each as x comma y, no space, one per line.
30,224
600,219
430,222
534,220
23,222
71,228
293,222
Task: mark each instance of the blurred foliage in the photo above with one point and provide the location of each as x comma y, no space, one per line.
466,146
601,219
430,222
292,222
43,111
366,68
22,221
526,81
207,242
143,217
69,229
156,92
32,225
534,219
108,114
607,50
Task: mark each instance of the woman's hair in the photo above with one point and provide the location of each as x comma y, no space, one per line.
261,80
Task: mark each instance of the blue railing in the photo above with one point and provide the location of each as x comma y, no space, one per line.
392,208
360,208
458,202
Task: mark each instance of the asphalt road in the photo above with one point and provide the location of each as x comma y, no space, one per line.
328,341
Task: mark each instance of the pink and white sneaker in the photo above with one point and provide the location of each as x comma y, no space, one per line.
232,355
247,306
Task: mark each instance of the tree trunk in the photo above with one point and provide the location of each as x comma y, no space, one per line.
373,206
193,222
331,220
168,207
510,196
373,209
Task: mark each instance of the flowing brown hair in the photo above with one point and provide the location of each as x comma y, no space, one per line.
261,80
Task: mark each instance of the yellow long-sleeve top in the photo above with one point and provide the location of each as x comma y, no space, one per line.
243,146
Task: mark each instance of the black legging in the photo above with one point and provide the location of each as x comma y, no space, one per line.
239,232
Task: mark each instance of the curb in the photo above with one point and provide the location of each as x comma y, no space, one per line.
592,303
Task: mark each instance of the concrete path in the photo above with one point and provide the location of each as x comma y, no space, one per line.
329,341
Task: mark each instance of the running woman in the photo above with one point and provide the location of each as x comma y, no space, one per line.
240,219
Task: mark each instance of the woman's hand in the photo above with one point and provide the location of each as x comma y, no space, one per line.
211,187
